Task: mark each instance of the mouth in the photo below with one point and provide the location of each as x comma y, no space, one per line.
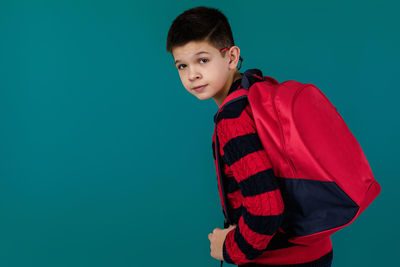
199,88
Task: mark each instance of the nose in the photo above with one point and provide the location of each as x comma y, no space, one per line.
194,75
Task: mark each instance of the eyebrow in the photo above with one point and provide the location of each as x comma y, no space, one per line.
198,53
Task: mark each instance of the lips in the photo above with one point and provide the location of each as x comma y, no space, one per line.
198,88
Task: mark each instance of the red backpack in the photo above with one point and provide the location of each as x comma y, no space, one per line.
324,177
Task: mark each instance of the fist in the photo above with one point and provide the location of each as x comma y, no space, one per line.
217,238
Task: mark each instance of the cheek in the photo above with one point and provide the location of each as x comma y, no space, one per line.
183,79
218,77
218,72
182,75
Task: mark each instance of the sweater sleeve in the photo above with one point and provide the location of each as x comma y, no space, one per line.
262,205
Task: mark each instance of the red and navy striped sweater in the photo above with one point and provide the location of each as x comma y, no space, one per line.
254,198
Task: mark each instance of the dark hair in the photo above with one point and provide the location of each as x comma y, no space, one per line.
198,24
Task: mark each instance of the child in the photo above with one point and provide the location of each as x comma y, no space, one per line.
201,43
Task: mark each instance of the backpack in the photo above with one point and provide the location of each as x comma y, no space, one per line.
324,177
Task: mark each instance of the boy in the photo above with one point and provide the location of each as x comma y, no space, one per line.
201,43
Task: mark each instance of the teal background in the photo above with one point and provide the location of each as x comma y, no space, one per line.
105,159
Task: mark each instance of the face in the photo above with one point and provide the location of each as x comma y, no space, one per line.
201,64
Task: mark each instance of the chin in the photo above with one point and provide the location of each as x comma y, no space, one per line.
202,97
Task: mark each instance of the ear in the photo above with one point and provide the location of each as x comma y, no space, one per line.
234,55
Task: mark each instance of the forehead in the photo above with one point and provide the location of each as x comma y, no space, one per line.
191,49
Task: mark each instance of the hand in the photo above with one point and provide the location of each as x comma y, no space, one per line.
217,238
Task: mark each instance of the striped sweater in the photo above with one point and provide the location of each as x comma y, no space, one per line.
254,199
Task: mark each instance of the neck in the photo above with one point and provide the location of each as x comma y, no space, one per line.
220,98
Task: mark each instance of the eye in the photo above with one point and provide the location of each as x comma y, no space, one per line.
181,66
204,60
